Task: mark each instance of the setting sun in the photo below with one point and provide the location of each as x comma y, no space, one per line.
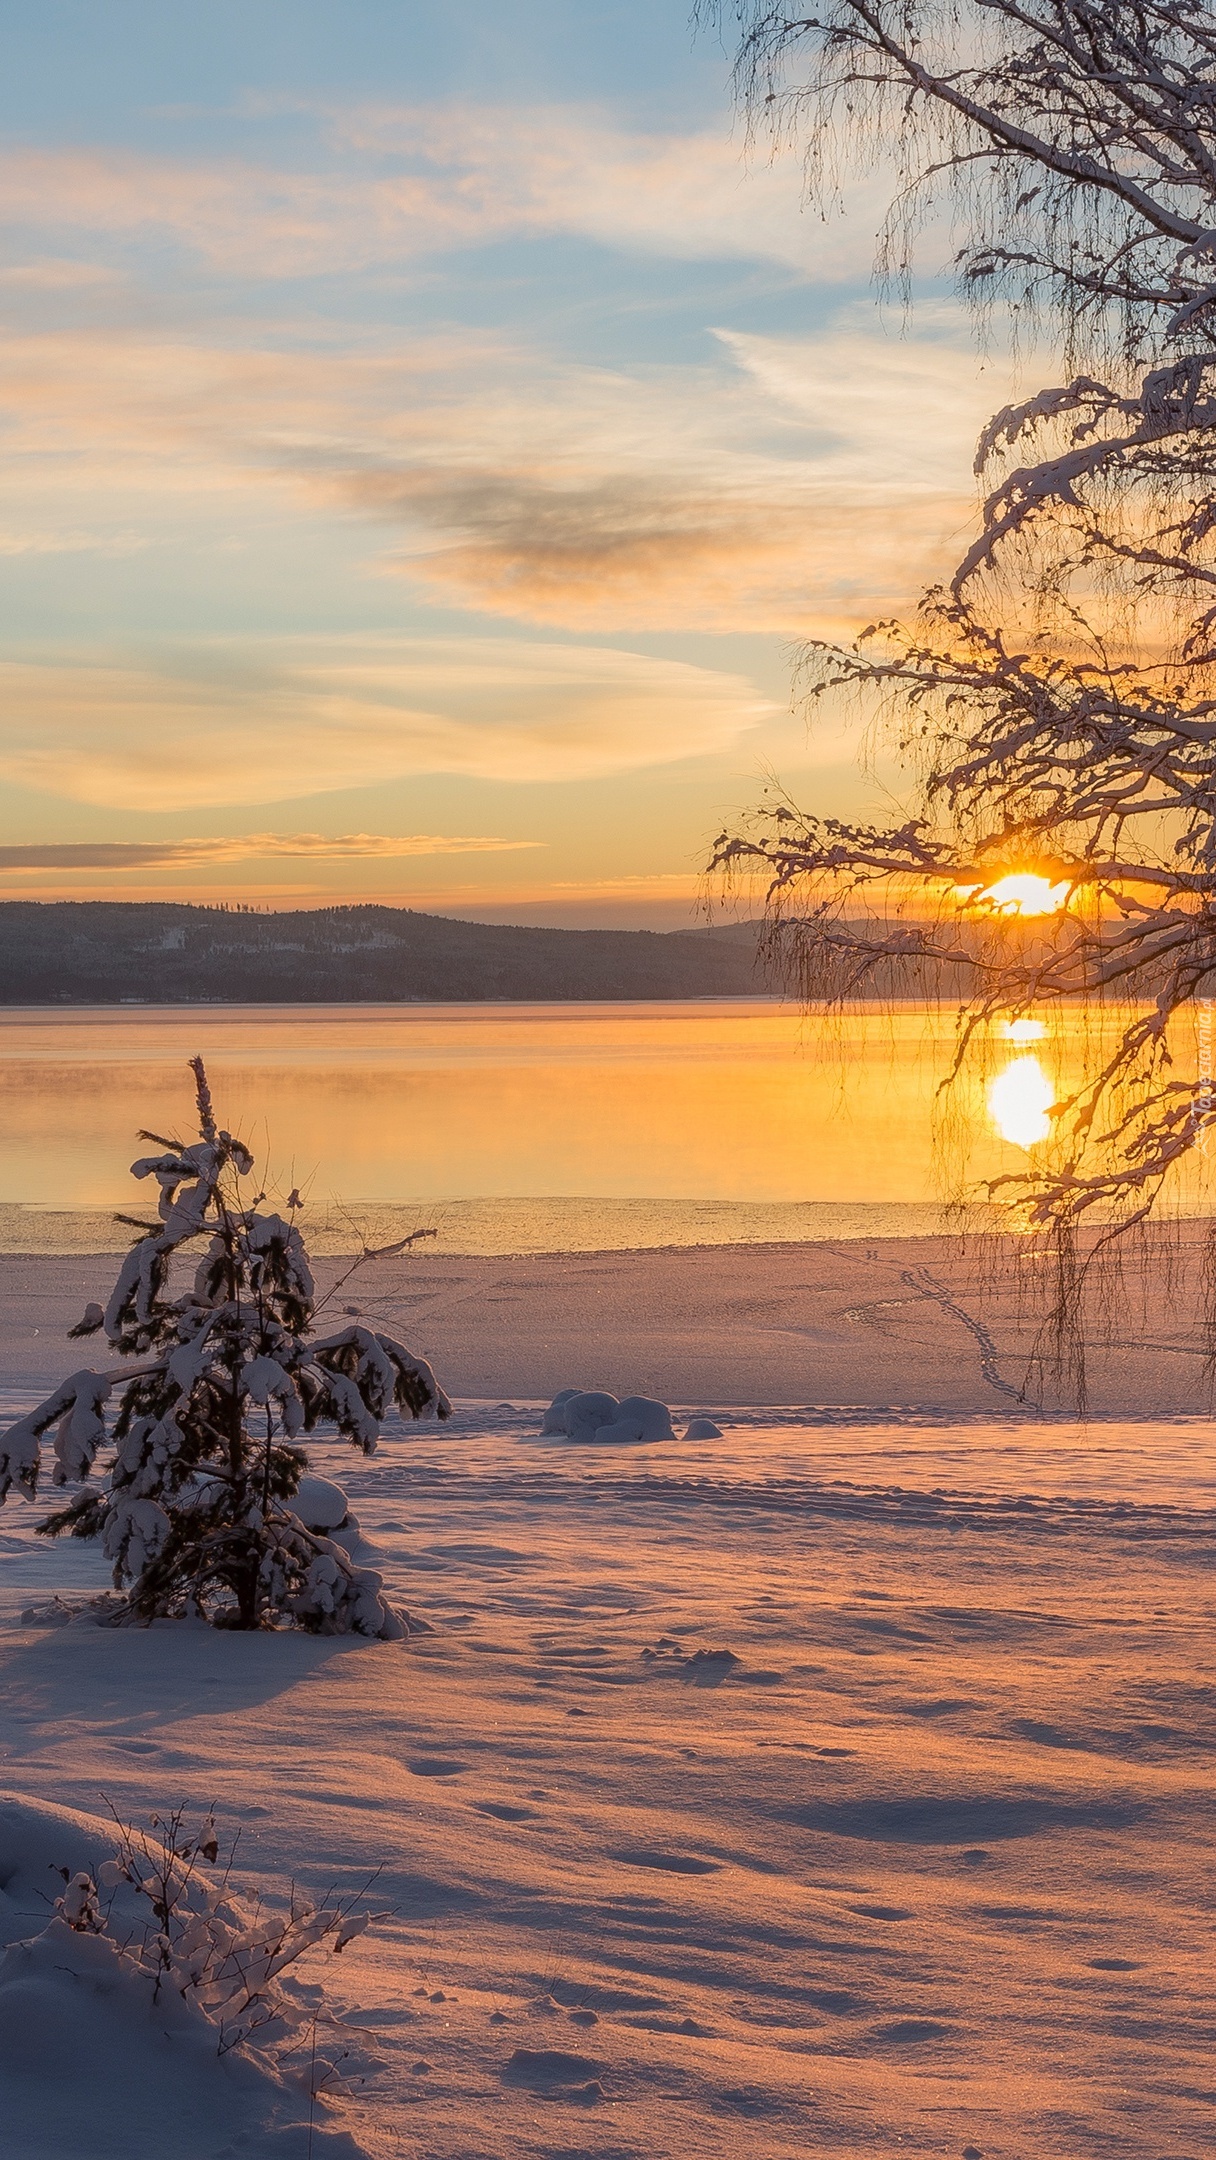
1024,892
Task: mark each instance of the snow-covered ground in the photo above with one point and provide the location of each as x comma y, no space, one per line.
840,1785
901,1323
93,2058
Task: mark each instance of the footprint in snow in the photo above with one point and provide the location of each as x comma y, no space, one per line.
554,2073
667,1863
436,1766
684,2028
708,1668
750,2101
381,2014
909,2032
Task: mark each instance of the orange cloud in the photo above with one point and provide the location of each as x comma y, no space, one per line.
271,720
40,855
824,481
659,902
611,558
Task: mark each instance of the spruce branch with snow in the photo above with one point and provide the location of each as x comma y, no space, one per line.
195,1511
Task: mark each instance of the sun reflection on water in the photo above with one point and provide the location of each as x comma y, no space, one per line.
1019,1100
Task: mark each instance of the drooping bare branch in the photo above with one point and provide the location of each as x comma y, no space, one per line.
1077,138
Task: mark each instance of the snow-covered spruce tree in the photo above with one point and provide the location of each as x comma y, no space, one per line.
196,1511
1055,705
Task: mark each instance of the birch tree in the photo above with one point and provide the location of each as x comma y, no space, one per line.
1055,703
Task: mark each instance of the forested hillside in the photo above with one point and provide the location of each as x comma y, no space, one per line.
102,952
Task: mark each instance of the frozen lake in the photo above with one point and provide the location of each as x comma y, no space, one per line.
517,1128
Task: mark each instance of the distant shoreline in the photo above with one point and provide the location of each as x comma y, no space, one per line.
99,953
404,1004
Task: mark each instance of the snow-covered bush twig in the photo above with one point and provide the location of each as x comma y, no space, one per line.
190,1931
195,1514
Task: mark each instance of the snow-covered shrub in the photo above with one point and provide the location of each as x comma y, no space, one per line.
195,1513
99,2053
166,1903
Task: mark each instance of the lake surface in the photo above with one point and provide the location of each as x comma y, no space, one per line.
516,1128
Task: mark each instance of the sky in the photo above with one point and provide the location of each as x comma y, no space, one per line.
428,431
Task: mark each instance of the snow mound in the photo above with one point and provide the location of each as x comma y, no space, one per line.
585,1413
91,2062
589,1415
702,1428
320,1504
554,1419
638,1418
653,1417
35,1842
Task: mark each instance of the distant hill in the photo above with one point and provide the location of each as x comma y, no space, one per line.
100,952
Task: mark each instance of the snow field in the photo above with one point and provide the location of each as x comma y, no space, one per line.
818,1789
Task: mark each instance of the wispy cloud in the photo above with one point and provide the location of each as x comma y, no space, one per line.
658,902
56,274
396,184
803,487
36,855
791,484
268,721
554,168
